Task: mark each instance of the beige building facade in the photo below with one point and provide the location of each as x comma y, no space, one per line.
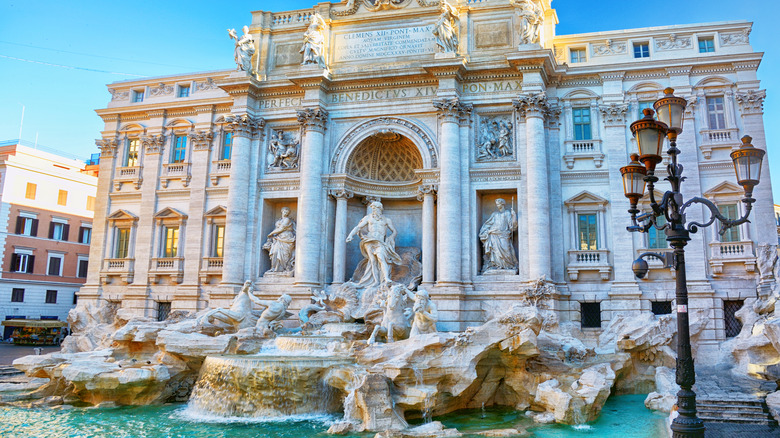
438,112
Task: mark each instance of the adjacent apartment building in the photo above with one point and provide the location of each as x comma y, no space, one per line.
46,207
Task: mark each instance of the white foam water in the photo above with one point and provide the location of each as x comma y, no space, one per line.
188,413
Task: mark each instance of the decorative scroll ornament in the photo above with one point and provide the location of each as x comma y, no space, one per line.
244,50
751,101
107,147
283,151
314,43
614,114
736,38
451,109
244,125
161,90
202,140
313,118
673,43
609,48
119,95
494,140
153,144
531,18
533,105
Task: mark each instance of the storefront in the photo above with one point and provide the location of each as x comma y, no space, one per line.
35,331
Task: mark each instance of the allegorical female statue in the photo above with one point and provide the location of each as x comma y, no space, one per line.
281,244
446,28
496,237
530,15
245,49
314,42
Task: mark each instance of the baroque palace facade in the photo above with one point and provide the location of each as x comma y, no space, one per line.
437,111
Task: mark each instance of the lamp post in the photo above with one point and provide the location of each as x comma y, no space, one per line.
650,134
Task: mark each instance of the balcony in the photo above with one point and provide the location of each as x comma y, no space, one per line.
210,267
583,149
121,268
174,171
722,253
219,169
718,139
593,260
130,175
172,267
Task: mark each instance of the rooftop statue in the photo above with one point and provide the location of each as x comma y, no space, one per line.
281,244
376,245
531,18
245,49
496,237
314,42
446,28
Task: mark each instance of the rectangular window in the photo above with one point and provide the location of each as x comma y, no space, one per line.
706,45
591,315
581,121
184,90
179,149
138,95
75,298
227,146
91,203
656,239
122,243
51,297
30,192
21,262
587,232
716,112
171,241
219,241
731,212
578,55
644,105
55,265
733,326
131,157
26,226
163,310
661,307
62,197
641,50
17,295
85,235
82,270
58,231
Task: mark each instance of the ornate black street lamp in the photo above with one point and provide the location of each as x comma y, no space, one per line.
650,135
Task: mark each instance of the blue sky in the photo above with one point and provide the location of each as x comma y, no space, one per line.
113,41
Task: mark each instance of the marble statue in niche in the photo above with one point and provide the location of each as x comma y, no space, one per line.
244,50
281,246
496,236
314,42
376,245
446,28
530,16
283,151
494,141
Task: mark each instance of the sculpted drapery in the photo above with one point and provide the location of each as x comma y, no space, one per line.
496,237
281,244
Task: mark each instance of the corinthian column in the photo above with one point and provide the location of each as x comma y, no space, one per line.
427,194
340,235
533,107
310,223
245,128
449,221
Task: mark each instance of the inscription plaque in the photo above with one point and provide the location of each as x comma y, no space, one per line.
386,43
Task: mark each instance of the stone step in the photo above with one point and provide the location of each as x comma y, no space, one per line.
742,411
730,415
730,408
745,401
8,371
765,422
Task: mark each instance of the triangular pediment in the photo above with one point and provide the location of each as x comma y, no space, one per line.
120,215
726,188
586,198
170,213
219,210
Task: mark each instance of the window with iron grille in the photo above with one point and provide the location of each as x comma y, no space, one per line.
591,315
733,326
661,307
163,310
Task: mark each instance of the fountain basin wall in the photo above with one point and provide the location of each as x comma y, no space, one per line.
266,386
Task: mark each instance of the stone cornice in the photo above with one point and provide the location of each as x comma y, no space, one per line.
493,174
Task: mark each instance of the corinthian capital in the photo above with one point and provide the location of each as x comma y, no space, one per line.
614,114
107,147
313,118
426,189
244,125
202,140
341,194
153,144
452,110
531,105
751,101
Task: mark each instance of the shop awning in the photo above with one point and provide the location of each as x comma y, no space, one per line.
33,323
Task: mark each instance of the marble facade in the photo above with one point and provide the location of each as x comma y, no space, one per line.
383,112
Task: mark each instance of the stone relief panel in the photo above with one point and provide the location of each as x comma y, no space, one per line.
283,150
674,42
492,35
119,95
161,90
287,54
494,138
735,38
609,48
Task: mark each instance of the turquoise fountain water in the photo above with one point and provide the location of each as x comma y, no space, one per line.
622,416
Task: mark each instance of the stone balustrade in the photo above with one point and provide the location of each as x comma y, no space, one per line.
589,260
172,267
722,253
174,171
121,268
219,169
583,149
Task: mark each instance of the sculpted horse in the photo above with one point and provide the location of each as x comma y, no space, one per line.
395,322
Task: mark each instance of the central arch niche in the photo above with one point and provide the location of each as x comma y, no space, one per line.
386,156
